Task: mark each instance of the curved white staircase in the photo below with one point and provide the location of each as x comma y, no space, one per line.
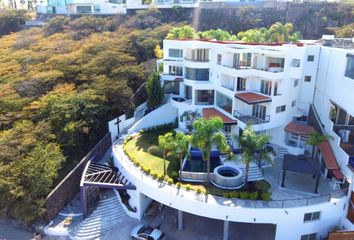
107,215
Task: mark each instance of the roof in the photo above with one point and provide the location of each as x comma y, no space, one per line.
212,112
301,164
252,97
328,156
342,235
299,44
299,129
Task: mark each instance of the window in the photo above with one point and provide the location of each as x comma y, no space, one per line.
293,103
188,92
310,58
307,78
311,236
280,109
296,82
259,111
333,112
171,87
266,87
224,102
241,84
349,71
97,8
176,53
197,74
312,216
201,55
204,97
276,89
219,59
295,63
83,9
175,70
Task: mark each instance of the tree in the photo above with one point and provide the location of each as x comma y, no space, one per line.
158,52
154,90
185,32
315,139
181,144
253,147
208,133
56,25
166,145
11,21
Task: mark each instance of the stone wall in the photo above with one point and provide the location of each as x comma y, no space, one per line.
67,189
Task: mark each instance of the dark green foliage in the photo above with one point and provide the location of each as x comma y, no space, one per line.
11,21
154,90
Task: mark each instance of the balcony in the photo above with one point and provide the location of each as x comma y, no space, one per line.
242,116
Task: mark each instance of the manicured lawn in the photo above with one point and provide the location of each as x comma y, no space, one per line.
139,145
143,148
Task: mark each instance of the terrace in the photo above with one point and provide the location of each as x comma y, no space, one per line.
298,189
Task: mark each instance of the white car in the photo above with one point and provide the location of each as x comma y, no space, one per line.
144,232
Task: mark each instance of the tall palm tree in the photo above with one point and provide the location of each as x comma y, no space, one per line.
181,146
208,133
253,147
315,139
165,144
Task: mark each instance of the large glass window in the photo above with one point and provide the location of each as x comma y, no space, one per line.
349,71
175,70
241,84
342,115
266,87
312,216
200,55
219,59
83,9
201,74
259,111
224,102
333,112
176,53
204,97
171,87
188,92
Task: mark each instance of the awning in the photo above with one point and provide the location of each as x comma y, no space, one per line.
252,97
212,112
299,129
337,174
328,156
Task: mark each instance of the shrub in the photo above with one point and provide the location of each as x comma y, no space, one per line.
110,161
128,138
206,192
188,187
179,185
233,194
253,196
266,196
262,186
154,175
146,170
244,195
174,174
199,190
170,181
226,195
161,177
141,131
154,150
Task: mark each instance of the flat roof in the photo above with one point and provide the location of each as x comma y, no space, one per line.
299,129
252,98
212,112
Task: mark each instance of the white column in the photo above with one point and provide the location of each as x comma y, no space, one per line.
226,230
180,220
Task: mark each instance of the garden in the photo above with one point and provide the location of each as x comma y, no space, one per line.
147,151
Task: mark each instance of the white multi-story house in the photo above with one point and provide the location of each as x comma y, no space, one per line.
284,90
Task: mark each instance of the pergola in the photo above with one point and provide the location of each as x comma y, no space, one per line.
301,164
101,176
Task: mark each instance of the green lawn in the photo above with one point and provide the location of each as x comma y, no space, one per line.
143,148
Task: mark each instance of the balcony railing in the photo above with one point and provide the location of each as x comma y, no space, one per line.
196,60
251,119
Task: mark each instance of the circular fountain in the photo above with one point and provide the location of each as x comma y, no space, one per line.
228,177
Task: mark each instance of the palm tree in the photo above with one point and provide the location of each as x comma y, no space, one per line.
315,139
208,133
165,144
253,147
180,146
